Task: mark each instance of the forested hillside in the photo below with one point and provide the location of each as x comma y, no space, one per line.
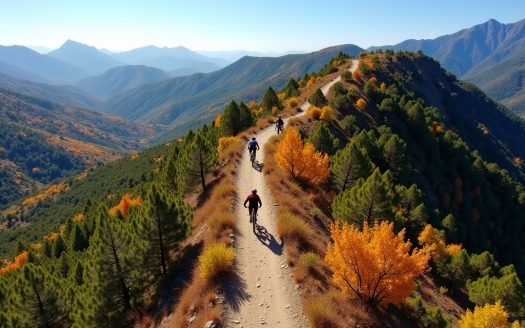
398,202
42,141
409,160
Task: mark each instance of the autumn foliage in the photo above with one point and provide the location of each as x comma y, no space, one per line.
226,143
301,161
375,264
361,104
487,316
216,259
18,262
52,190
123,206
314,112
326,114
432,242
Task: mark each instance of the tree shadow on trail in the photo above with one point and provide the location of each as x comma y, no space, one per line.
257,166
234,289
269,240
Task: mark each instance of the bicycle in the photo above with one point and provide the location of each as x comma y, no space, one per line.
279,128
253,218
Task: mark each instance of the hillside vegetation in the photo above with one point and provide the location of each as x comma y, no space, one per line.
42,141
394,209
187,102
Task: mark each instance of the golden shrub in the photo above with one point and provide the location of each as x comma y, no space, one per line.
216,259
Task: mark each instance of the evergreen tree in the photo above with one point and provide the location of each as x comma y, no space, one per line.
339,89
196,161
164,221
318,99
348,165
247,119
450,226
77,239
455,269
112,264
483,264
270,100
170,173
78,274
231,120
394,154
366,201
291,89
47,248
59,246
38,301
506,288
323,140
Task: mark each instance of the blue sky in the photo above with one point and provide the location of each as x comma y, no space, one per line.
257,25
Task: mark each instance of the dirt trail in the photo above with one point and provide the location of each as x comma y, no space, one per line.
264,294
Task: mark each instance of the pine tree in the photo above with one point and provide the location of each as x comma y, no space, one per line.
111,268
59,246
38,300
366,201
164,221
506,288
291,89
170,173
318,99
196,161
78,274
394,153
77,239
348,165
231,120
247,119
323,140
270,100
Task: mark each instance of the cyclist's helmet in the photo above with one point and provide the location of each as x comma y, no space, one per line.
254,191
253,138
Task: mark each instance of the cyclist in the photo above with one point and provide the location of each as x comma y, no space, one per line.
254,202
253,146
279,124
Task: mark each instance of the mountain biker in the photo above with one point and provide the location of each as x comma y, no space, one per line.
254,202
253,146
279,124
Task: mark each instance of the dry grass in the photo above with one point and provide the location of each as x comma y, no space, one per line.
320,313
216,259
291,227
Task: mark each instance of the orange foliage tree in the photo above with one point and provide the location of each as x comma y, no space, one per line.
217,121
123,206
326,114
432,242
375,264
292,102
314,112
301,161
19,262
356,75
361,103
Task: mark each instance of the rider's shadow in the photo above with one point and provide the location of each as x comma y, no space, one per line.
258,166
269,240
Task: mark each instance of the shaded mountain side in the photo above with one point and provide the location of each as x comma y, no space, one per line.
503,81
498,134
44,67
66,95
86,58
120,79
486,43
196,99
15,72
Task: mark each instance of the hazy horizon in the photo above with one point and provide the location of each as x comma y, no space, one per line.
269,27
